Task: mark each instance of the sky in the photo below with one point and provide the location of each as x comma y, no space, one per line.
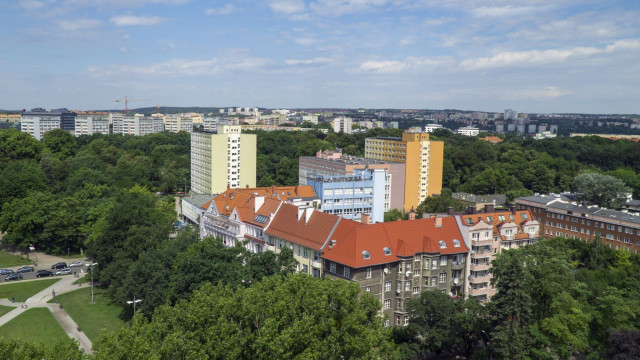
532,56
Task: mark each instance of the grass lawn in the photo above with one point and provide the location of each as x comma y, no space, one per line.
91,318
86,279
36,325
10,260
5,309
24,290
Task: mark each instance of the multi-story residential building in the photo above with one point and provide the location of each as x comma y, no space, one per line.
334,163
243,214
38,121
395,261
342,123
560,218
351,196
138,125
177,122
304,230
423,163
310,118
192,207
480,202
486,234
10,117
429,128
89,123
221,160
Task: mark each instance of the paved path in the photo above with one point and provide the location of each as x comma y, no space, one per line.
40,300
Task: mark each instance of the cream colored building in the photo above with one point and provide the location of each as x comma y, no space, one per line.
177,122
221,160
89,123
137,125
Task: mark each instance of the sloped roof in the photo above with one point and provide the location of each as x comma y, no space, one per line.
234,198
510,218
312,233
248,214
403,238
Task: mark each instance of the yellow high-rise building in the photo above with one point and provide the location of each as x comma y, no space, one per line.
423,163
221,160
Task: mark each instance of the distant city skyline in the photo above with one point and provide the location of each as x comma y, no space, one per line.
534,56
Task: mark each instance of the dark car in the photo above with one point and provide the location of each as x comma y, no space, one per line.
43,273
60,265
13,277
6,271
25,269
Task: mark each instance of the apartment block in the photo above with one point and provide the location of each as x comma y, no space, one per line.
334,163
366,192
38,121
561,218
177,123
222,160
138,125
396,261
423,163
89,123
342,123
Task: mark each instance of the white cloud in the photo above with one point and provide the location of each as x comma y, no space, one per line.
31,4
74,25
287,6
224,10
539,93
317,60
131,20
541,57
342,7
394,66
306,41
507,11
180,67
407,41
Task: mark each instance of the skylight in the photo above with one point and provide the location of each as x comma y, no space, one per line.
456,243
443,245
387,251
366,255
261,219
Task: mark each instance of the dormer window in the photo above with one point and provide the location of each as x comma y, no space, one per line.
456,243
387,251
366,255
489,219
443,245
469,221
501,217
524,216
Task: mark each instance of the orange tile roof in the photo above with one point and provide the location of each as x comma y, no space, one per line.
312,234
248,214
491,139
233,198
496,223
404,238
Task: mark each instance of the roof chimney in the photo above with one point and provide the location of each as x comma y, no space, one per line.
307,214
512,208
412,215
489,208
450,210
300,212
247,186
365,219
438,221
258,201
228,186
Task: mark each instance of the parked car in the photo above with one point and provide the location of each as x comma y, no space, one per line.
76,264
43,273
6,271
65,271
25,269
60,265
16,276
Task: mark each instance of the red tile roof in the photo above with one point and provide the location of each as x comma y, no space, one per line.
312,234
491,139
232,198
404,238
497,223
248,214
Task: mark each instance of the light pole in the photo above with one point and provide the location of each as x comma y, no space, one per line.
134,302
91,268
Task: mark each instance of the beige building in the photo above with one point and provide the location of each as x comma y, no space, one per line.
342,123
176,123
222,160
89,123
137,125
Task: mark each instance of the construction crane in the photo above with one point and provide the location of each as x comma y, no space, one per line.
126,103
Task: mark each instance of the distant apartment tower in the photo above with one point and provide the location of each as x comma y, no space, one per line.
137,125
38,121
222,160
423,163
177,123
342,123
468,131
89,123
429,128
355,197
334,163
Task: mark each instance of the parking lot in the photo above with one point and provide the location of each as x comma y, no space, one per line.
80,271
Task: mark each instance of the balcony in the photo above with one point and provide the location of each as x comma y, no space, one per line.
482,242
482,255
480,266
486,291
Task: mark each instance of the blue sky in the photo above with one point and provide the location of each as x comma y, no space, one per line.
532,56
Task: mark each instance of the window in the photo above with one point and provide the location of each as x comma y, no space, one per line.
399,304
368,289
399,286
475,236
347,272
366,255
443,245
524,216
443,277
387,303
434,263
426,263
434,281
305,269
408,267
406,320
489,219
456,243
416,289
387,251
426,281
443,261
305,253
416,272
386,323
332,267
387,286
400,267
407,286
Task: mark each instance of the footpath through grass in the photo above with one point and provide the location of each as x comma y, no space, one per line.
37,325
21,291
5,309
91,318
11,260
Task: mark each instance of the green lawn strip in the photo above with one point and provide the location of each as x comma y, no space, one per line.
91,318
11,260
37,325
86,279
21,291
5,309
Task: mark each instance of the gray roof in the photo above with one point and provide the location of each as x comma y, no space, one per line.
500,199
198,199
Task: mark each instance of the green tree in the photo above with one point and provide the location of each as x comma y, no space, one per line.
394,215
432,322
60,143
602,190
16,145
19,178
440,204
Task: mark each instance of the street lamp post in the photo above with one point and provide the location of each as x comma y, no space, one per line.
134,302
91,268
